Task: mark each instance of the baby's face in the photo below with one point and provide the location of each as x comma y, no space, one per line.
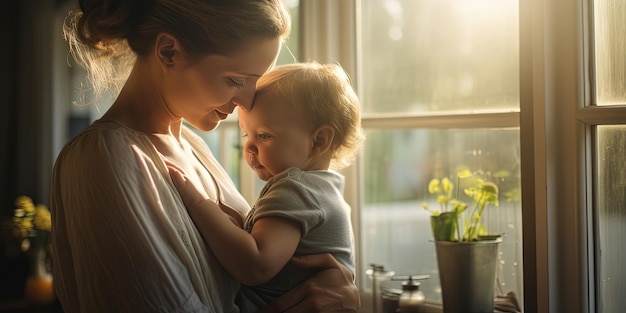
278,136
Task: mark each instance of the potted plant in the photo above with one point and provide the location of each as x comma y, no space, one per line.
31,227
466,252
452,223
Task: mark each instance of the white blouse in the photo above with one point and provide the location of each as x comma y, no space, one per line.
122,238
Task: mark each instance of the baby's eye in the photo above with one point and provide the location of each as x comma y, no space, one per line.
264,136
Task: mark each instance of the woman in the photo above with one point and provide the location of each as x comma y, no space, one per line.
304,126
122,237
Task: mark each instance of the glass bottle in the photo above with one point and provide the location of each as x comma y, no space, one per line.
378,277
411,298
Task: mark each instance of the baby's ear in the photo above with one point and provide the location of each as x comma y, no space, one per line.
322,139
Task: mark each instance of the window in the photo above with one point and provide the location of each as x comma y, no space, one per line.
440,94
611,215
610,52
609,151
569,154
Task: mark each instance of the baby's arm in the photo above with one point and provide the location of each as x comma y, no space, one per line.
253,258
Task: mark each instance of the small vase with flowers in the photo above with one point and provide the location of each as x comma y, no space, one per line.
32,226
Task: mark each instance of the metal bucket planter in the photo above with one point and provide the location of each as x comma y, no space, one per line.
467,273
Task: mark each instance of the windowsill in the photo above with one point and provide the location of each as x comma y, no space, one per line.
428,306
431,307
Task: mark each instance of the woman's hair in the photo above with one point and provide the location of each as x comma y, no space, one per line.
323,93
106,36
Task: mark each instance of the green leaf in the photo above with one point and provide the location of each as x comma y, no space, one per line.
444,226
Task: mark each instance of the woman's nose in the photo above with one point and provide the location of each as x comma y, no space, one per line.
245,98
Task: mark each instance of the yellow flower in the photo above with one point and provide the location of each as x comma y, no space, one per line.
26,224
442,199
447,186
433,186
468,226
30,222
23,200
42,218
25,203
432,212
19,213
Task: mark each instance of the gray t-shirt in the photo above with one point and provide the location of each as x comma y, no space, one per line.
313,199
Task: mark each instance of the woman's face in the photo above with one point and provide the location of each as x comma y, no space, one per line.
205,92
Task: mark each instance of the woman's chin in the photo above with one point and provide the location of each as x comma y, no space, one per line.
205,126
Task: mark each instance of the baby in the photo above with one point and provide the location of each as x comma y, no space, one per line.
304,125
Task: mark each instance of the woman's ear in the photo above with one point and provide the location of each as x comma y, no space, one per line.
322,139
167,49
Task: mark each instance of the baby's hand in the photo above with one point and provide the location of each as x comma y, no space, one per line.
190,194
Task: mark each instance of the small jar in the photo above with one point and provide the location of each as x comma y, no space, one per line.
391,296
378,277
411,298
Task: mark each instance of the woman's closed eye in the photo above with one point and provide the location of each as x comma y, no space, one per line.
240,84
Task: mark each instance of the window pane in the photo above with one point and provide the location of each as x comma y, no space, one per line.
432,56
290,51
398,165
611,218
610,51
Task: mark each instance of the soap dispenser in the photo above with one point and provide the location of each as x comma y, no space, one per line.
411,298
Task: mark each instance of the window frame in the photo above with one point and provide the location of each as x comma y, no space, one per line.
328,22
557,121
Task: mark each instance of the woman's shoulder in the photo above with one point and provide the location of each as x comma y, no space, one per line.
105,133
103,142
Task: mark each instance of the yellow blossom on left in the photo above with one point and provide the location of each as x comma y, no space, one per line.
26,204
42,218
28,218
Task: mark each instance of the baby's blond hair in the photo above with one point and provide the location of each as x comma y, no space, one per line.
325,96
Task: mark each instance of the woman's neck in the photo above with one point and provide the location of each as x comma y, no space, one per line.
140,105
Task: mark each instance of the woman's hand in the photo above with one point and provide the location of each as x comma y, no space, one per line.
332,289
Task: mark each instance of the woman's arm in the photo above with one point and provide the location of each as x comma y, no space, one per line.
330,290
253,258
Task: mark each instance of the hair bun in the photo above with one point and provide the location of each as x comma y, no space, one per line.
109,20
